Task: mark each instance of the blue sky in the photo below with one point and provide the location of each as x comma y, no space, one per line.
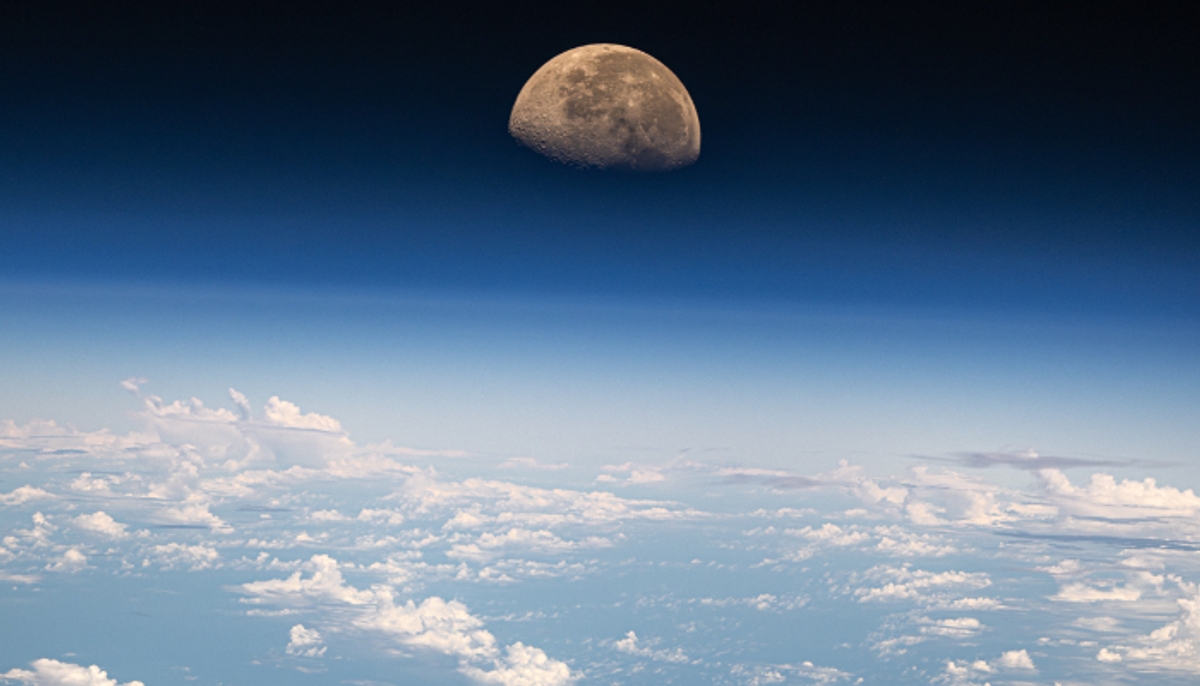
590,378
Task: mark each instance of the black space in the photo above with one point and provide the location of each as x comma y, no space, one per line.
1073,127
1053,69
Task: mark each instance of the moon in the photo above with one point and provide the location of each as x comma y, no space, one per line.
608,106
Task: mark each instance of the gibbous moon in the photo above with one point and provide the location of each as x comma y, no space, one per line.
607,106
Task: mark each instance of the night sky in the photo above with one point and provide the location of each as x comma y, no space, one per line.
980,157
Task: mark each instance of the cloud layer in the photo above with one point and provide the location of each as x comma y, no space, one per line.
502,568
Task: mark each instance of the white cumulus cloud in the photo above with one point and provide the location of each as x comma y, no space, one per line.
72,560
305,642
195,514
47,672
1104,496
179,555
435,624
1083,593
1016,659
523,665
283,413
100,522
24,494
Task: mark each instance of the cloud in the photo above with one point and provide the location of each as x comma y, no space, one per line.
388,517
945,496
530,463
193,515
758,675
1103,506
98,485
638,474
503,571
72,560
36,537
102,523
483,502
967,604
1104,496
893,541
771,478
433,624
763,602
488,545
47,672
833,534
178,555
192,409
285,435
962,673
24,494
1103,624
1082,593
954,627
305,642
297,438
46,440
1120,542
1173,647
630,646
523,665
195,458
283,413
388,447
190,428
19,578
328,516
906,544
924,514
854,479
242,404
324,582
1016,659
198,470
1064,568
445,626
1030,460
905,583
1106,655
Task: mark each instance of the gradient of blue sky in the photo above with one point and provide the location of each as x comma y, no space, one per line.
589,379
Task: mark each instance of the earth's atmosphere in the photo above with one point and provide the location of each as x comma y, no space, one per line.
310,374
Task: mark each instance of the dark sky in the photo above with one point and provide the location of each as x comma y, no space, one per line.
966,154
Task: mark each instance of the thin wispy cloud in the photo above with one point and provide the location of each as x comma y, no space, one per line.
1032,461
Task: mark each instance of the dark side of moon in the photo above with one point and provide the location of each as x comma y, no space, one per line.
607,106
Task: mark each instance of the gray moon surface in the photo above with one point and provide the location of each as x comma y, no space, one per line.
608,106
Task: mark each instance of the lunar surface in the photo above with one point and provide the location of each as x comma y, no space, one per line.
609,107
